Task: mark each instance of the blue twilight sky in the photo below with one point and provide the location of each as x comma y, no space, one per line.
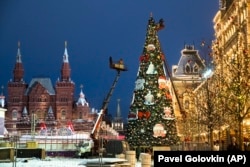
95,30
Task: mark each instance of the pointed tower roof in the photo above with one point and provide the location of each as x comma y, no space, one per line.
25,117
65,70
190,64
66,56
25,112
118,112
50,116
18,60
50,111
81,100
18,69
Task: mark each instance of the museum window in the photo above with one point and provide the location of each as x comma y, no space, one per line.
39,114
16,99
64,99
14,115
80,115
63,116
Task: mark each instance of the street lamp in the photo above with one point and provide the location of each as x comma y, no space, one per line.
33,125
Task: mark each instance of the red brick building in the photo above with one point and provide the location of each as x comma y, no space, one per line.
42,104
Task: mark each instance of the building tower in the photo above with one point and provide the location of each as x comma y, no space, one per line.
117,123
186,77
65,90
18,69
118,112
16,90
151,120
83,116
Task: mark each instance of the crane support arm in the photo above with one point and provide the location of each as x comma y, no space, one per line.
96,128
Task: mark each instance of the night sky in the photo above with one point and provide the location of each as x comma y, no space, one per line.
94,31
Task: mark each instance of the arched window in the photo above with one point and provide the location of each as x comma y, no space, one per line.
188,68
14,115
39,114
85,114
63,115
195,68
43,98
16,99
64,99
80,115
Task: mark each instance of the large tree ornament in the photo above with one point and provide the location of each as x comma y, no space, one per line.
159,130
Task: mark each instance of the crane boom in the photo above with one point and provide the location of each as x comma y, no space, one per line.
105,105
107,99
118,67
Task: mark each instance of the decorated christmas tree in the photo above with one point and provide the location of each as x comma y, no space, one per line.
151,120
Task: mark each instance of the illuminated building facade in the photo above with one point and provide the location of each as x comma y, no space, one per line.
231,58
42,104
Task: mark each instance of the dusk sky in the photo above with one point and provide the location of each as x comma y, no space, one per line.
94,31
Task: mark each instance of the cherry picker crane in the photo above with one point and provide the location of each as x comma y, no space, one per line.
118,66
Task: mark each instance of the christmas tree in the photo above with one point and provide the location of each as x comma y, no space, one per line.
151,120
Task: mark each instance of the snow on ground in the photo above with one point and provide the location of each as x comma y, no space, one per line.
51,162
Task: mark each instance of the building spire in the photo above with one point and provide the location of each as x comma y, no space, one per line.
18,69
82,101
18,57
65,56
118,114
81,92
65,70
65,43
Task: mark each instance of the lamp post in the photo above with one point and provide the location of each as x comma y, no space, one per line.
33,125
198,124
